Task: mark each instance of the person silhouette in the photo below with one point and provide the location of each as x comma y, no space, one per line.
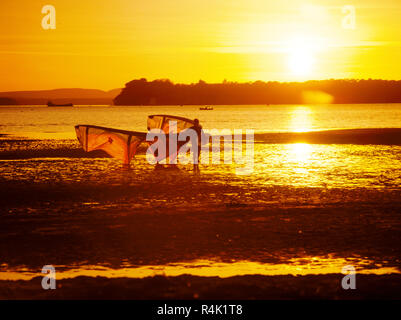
197,143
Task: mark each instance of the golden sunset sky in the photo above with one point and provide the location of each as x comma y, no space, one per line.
104,44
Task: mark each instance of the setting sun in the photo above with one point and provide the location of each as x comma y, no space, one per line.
301,54
300,62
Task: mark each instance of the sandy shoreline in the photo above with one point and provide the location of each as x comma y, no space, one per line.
87,211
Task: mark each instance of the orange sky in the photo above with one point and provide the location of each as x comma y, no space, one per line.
104,44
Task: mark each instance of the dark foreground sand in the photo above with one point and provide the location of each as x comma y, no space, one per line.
190,287
109,236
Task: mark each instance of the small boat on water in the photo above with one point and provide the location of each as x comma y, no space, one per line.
51,104
206,108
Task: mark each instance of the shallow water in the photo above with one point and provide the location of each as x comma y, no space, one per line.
210,268
295,165
57,123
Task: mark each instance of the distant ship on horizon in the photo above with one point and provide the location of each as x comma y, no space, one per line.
51,104
206,108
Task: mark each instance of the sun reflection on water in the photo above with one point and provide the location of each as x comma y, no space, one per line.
299,152
300,119
211,268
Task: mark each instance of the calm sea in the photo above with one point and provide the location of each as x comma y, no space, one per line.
52,123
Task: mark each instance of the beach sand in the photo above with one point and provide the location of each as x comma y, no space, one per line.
75,212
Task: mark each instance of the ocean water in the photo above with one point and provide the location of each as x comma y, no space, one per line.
56,123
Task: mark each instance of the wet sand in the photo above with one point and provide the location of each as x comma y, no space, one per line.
381,136
85,211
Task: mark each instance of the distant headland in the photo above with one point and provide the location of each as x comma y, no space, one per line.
59,96
165,92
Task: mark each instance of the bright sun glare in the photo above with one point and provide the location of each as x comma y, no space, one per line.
300,62
299,152
301,55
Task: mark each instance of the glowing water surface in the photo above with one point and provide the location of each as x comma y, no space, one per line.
210,268
40,122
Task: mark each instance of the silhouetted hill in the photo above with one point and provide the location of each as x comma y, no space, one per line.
7,101
58,96
164,92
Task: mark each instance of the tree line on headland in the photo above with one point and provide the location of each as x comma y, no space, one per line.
165,92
